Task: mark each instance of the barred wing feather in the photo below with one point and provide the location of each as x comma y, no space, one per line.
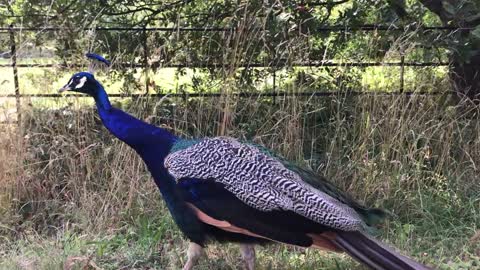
260,181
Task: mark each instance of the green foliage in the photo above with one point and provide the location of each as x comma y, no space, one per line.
277,34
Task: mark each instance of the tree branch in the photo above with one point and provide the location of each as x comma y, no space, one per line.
129,11
436,7
153,11
328,3
179,3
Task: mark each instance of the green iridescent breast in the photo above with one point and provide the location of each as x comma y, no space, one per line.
183,144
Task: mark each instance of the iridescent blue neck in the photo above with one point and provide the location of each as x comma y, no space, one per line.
101,98
141,136
152,143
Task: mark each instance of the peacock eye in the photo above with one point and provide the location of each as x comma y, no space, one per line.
76,80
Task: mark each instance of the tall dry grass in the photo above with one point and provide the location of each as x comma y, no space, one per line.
66,170
415,156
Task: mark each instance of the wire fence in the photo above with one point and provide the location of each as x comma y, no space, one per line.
277,64
334,28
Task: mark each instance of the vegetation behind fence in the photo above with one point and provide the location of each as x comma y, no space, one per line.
276,72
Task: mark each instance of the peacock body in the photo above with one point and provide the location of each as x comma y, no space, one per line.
225,190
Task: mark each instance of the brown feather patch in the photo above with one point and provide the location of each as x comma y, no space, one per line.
320,241
324,241
221,224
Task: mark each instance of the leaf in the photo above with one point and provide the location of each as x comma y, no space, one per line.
473,18
399,7
475,33
449,8
284,16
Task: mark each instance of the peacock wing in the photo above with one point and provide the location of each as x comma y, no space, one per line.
371,216
260,181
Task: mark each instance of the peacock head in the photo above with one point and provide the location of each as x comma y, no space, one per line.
82,82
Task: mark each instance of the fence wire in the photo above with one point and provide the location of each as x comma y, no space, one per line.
277,64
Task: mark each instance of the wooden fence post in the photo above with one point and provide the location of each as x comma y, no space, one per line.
13,51
402,73
274,86
146,68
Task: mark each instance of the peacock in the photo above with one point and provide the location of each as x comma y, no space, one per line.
222,189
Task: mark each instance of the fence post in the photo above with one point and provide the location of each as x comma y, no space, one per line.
402,73
13,51
145,59
274,86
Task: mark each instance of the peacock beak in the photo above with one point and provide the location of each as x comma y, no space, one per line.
65,88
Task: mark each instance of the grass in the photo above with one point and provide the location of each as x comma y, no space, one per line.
154,243
122,253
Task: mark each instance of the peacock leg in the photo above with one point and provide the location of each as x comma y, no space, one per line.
193,253
248,255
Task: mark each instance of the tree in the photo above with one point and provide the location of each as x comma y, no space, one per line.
288,32
465,47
